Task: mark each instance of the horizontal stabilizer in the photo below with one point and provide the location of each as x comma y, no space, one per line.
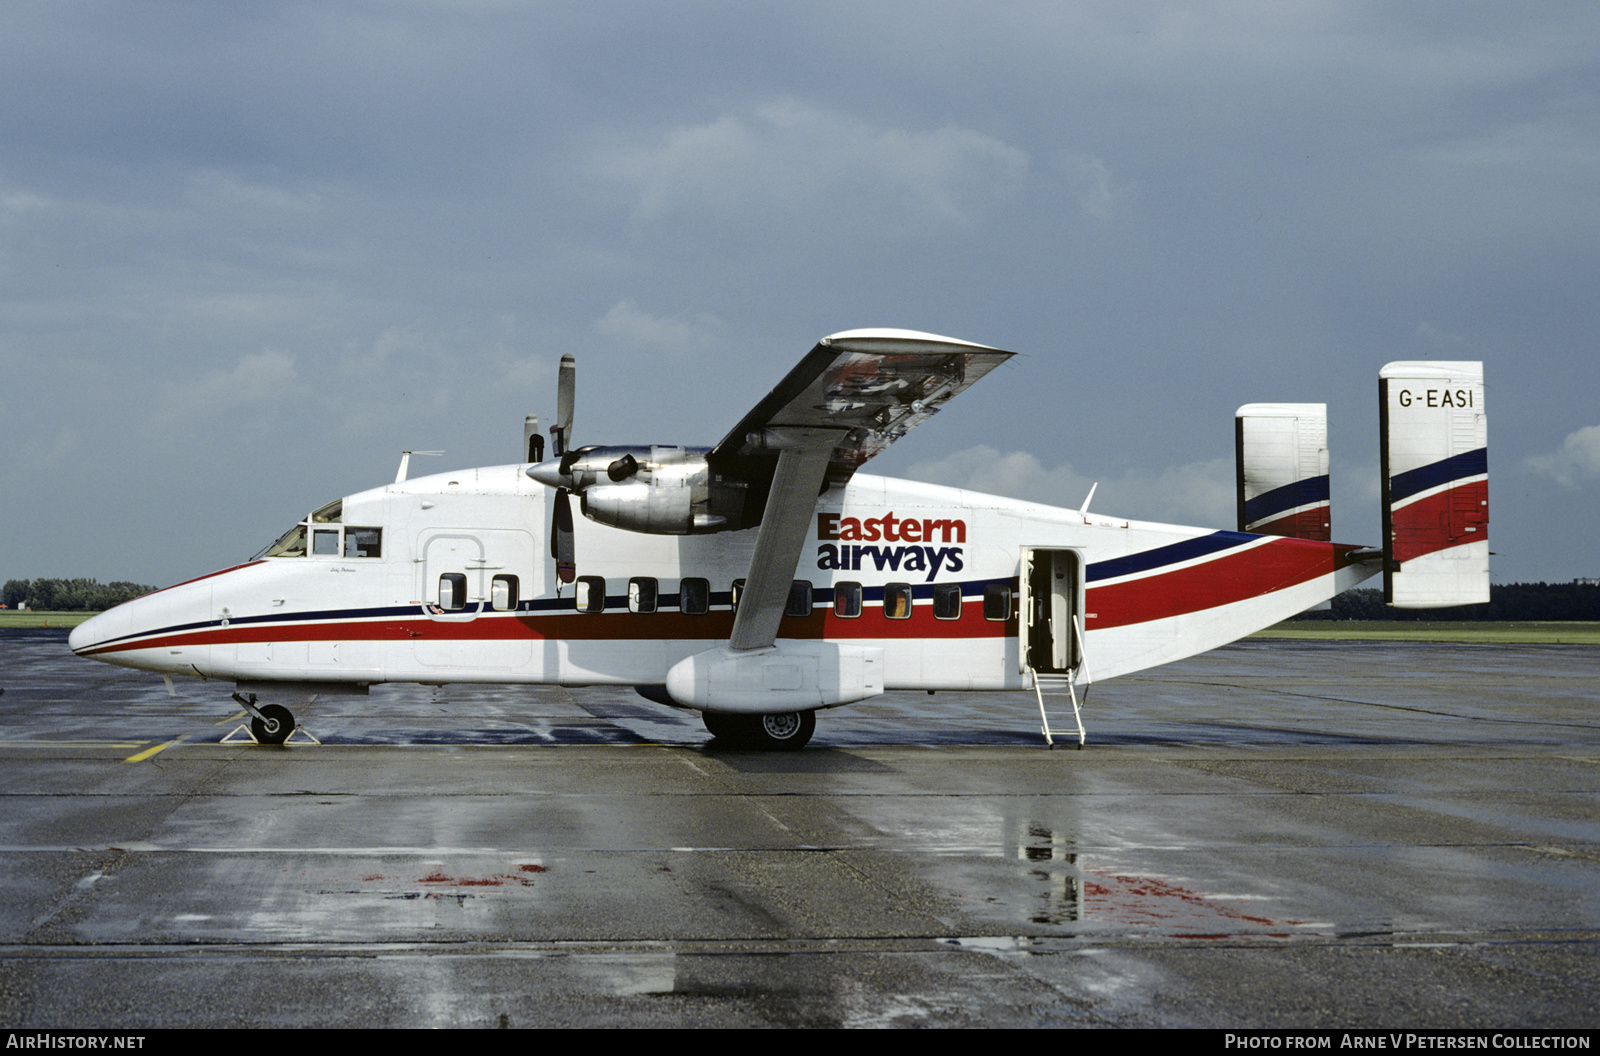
1435,445
1281,467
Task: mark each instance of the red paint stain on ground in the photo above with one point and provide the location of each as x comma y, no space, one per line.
439,876
1150,901
494,880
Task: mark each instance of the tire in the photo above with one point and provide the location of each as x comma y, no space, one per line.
274,726
787,731
720,724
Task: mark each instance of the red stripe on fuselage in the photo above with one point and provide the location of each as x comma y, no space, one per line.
576,626
1229,578
1232,577
1440,521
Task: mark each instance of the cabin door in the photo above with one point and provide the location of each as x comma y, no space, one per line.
479,576
1051,610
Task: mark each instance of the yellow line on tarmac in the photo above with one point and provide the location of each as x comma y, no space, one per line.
140,757
70,744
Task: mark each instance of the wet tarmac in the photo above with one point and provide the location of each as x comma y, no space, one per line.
1277,834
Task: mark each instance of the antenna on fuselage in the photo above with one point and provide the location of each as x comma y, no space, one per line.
1084,509
405,462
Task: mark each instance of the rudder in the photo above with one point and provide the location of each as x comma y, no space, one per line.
1281,469
1434,441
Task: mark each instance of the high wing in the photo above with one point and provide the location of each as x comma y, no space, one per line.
870,386
853,395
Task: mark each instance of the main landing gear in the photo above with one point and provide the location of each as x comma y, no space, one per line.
787,731
269,723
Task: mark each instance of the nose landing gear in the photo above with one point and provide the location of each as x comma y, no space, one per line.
269,723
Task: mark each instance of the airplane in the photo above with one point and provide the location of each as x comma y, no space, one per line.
766,578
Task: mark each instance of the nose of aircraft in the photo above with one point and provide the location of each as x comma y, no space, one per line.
85,634
110,624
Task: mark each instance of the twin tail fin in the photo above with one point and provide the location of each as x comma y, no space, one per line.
1434,441
1435,484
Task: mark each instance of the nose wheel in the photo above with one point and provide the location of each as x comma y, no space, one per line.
269,723
274,725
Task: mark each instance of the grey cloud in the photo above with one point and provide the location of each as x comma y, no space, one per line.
797,161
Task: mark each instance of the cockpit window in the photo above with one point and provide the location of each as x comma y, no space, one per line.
363,542
291,544
327,542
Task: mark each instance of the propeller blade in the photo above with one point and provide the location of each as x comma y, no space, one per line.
561,537
566,395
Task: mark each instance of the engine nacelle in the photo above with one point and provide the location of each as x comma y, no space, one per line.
652,508
658,490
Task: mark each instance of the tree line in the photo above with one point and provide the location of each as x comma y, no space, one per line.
1558,602
68,595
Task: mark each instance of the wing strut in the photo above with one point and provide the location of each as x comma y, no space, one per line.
803,456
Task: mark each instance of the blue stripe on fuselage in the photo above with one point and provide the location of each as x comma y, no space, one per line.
1187,550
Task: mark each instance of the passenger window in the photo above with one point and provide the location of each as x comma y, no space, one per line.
997,601
363,542
325,542
591,594
694,595
799,599
897,601
642,594
947,601
453,591
503,594
847,600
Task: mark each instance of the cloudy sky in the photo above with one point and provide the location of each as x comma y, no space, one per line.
250,252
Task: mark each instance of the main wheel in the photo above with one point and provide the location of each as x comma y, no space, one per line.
787,731
275,724
721,724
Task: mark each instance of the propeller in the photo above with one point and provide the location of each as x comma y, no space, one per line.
561,537
566,392
562,472
561,548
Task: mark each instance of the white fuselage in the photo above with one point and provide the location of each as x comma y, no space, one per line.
463,589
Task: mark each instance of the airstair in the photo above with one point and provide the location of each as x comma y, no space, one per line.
1052,644
1058,685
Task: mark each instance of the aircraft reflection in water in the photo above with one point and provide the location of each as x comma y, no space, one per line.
765,578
